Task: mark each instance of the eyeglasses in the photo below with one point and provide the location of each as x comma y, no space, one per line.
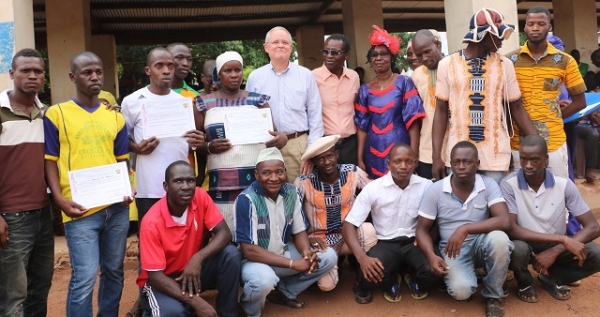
374,55
333,53
284,43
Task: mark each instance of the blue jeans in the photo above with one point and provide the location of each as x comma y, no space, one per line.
491,251
27,264
97,240
260,279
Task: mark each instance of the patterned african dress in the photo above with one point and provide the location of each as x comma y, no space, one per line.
327,205
386,115
232,171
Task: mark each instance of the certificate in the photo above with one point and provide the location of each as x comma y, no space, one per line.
248,127
101,185
165,119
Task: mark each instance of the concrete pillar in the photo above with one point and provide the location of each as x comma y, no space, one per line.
16,33
105,47
358,17
575,23
309,39
68,28
458,16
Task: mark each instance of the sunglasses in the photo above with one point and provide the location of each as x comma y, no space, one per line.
374,55
333,53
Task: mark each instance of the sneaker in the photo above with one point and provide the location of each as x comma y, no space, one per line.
362,294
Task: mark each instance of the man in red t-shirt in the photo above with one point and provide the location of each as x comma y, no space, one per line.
175,266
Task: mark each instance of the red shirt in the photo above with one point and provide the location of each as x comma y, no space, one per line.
167,246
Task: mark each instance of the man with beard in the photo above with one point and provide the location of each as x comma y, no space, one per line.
541,71
472,87
338,86
393,202
472,217
428,49
536,201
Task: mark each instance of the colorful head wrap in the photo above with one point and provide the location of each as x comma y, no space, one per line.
382,37
488,21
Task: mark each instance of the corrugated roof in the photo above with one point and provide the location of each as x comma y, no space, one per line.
131,20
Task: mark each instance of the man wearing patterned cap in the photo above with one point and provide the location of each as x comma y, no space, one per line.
472,86
328,193
541,71
268,214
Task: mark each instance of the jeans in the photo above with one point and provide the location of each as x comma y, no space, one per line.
97,240
492,251
221,272
260,279
27,264
565,269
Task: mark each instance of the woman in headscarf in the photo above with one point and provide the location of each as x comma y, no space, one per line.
388,110
230,167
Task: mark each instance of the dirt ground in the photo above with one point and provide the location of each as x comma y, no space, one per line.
340,301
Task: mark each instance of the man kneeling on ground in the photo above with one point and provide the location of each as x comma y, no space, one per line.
472,217
536,201
328,193
393,201
268,214
175,266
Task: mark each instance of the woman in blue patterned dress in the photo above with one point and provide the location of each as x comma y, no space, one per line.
230,167
388,109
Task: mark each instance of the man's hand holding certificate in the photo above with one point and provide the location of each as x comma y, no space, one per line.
248,127
101,185
166,119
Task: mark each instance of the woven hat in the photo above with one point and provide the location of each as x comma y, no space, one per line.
269,154
320,146
487,21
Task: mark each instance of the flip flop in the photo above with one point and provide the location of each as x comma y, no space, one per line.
554,289
528,295
278,298
415,292
393,295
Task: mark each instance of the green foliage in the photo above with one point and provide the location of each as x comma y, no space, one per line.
132,59
401,62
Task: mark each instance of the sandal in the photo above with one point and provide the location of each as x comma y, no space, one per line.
278,298
554,290
493,308
528,295
393,294
415,292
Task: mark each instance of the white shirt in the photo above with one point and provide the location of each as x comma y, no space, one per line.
150,169
394,210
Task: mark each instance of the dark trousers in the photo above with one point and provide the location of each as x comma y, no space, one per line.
565,270
397,253
221,272
27,263
348,148
143,205
424,170
590,137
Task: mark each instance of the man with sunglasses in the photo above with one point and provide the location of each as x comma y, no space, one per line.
338,86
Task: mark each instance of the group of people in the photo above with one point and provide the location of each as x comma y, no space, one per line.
429,154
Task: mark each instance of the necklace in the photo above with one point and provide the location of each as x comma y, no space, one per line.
385,82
